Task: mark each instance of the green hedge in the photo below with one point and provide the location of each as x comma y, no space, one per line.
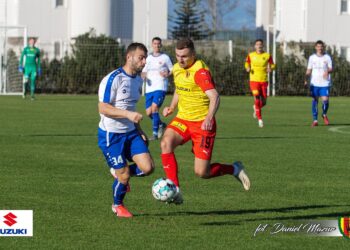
92,57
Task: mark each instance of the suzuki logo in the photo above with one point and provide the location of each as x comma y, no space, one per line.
10,219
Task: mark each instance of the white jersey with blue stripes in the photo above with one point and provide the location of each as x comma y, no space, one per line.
154,66
319,65
123,92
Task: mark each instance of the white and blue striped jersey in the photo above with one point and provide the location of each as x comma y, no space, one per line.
123,92
318,65
155,65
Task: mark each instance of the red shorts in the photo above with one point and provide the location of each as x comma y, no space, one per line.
259,88
202,140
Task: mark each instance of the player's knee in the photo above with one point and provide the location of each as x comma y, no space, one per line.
148,168
165,145
148,112
154,108
123,175
123,178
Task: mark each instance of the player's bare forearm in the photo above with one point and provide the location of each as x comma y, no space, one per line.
112,112
169,110
307,76
214,102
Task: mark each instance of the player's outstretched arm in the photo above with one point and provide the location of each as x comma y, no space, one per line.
214,103
169,110
112,112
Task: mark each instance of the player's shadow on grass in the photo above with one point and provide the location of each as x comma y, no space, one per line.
263,210
279,218
247,211
338,124
59,135
251,137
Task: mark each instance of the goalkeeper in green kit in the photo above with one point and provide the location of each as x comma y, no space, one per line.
31,67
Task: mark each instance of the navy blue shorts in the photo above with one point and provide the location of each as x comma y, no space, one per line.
156,97
319,91
120,148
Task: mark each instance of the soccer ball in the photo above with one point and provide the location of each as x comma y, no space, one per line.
163,189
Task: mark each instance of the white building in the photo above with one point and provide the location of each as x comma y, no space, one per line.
55,22
307,21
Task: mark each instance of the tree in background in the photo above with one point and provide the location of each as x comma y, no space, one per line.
81,71
217,10
189,20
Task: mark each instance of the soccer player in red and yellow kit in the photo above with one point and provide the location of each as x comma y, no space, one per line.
197,101
259,64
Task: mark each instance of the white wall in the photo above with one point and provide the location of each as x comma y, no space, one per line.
158,15
86,14
264,13
126,19
325,22
43,19
311,20
8,12
291,20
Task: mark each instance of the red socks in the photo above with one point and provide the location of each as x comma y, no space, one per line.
170,167
218,169
171,170
258,106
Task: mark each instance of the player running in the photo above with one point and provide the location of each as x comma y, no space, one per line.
158,68
319,67
31,67
119,135
259,64
197,101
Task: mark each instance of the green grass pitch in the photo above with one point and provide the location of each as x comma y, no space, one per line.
50,163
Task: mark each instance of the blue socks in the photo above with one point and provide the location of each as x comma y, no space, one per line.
119,191
314,109
156,122
135,171
325,105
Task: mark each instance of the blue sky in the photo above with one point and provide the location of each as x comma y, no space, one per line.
237,19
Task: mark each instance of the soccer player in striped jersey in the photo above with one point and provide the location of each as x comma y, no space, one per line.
319,67
158,68
119,134
259,64
197,101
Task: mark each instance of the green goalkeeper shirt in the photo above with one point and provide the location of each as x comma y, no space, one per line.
32,57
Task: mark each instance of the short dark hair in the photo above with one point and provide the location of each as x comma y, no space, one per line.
185,43
156,38
259,40
319,42
134,46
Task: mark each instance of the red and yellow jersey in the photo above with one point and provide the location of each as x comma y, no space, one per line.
190,85
258,66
